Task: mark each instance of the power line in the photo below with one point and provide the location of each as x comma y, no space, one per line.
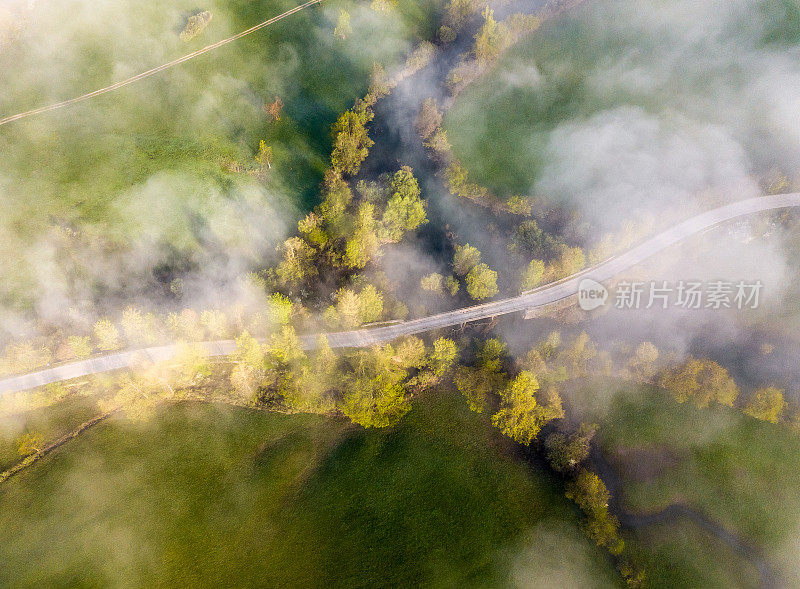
155,70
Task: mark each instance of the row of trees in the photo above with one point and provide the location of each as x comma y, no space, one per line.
373,387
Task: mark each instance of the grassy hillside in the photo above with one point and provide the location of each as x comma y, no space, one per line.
206,496
98,195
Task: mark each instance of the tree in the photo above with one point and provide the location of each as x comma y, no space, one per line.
342,29
521,416
766,404
452,286
139,328
439,143
353,309
405,210
567,453
432,283
591,495
274,109
370,304
336,198
264,155
702,381
492,37
372,393
379,84
215,323
185,325
81,347
297,263
577,357
351,141
642,364
528,238
279,309
481,282
444,355
429,118
478,381
465,258
195,25
364,243
569,261
410,353
532,275
106,334
30,443
248,372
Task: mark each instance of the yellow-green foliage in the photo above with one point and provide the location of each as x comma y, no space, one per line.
592,496
766,404
80,346
372,393
481,282
351,140
29,443
521,415
701,381
532,275
195,25
24,357
106,335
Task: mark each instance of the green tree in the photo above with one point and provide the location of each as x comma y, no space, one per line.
264,156
81,347
567,453
215,323
249,371
372,393
701,381
30,443
336,198
106,334
643,363
410,353
297,264
432,283
279,309
485,377
342,29
766,404
429,118
443,356
363,245
532,275
481,282
351,141
570,260
405,210
491,38
452,286
591,495
521,416
465,259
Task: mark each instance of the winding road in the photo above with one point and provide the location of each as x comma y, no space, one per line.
540,297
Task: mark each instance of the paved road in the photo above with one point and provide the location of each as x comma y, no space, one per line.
540,297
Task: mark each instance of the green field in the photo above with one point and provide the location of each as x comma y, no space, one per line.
97,195
682,554
742,473
208,495
610,90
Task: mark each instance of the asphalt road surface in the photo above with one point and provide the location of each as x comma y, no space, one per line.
540,297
